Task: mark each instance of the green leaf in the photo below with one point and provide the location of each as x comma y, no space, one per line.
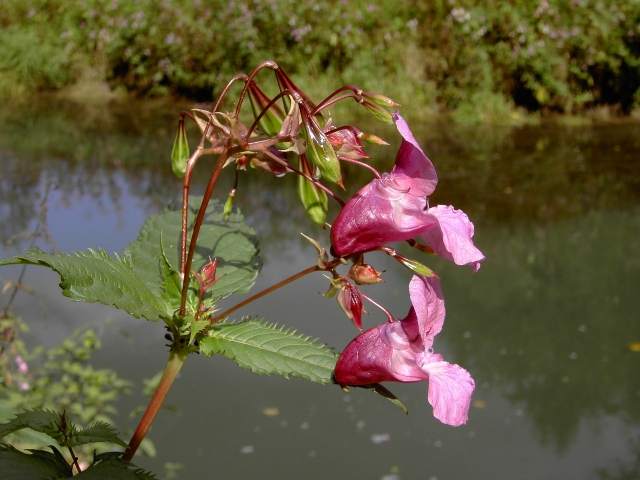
110,466
97,432
65,433
95,276
39,465
43,421
321,154
231,241
268,349
180,151
138,281
314,200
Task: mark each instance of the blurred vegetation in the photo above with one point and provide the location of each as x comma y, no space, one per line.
481,60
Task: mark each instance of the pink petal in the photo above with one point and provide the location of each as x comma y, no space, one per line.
383,353
381,212
450,390
451,236
413,168
428,303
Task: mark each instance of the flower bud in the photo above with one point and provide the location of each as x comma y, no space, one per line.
364,274
371,138
415,266
378,111
320,153
347,144
207,275
350,300
180,151
381,100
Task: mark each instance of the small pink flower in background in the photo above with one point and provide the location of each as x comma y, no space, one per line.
402,351
22,365
395,208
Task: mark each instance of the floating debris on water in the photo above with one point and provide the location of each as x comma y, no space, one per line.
478,403
247,449
304,426
271,411
378,438
634,346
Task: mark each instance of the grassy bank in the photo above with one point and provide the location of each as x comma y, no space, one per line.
479,60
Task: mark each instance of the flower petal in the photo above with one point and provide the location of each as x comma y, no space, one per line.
413,168
380,354
451,236
428,302
450,390
381,212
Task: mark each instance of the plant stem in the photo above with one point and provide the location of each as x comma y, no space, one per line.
74,460
196,228
174,364
266,291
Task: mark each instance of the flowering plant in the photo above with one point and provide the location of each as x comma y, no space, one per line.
185,263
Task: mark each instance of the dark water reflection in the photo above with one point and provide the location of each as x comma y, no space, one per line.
544,326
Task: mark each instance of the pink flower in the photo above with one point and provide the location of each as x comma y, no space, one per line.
395,208
402,351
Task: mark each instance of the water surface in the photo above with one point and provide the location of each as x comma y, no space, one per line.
544,327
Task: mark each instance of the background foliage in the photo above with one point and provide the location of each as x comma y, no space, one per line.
480,59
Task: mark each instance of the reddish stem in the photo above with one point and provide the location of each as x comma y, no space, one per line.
174,364
264,111
225,90
266,64
384,310
196,228
363,165
266,291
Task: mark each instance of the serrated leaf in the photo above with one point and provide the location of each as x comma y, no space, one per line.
97,432
39,464
111,467
43,421
268,349
135,281
95,276
231,241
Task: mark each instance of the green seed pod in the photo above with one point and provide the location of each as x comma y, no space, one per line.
180,151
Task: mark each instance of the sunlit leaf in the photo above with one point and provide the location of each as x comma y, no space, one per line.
136,281
97,432
268,349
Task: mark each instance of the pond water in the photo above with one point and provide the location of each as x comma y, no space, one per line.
544,326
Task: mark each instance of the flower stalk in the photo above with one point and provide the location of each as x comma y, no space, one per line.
171,370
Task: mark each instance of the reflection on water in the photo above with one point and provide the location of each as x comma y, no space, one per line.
544,326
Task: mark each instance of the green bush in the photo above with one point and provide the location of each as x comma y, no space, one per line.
563,56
